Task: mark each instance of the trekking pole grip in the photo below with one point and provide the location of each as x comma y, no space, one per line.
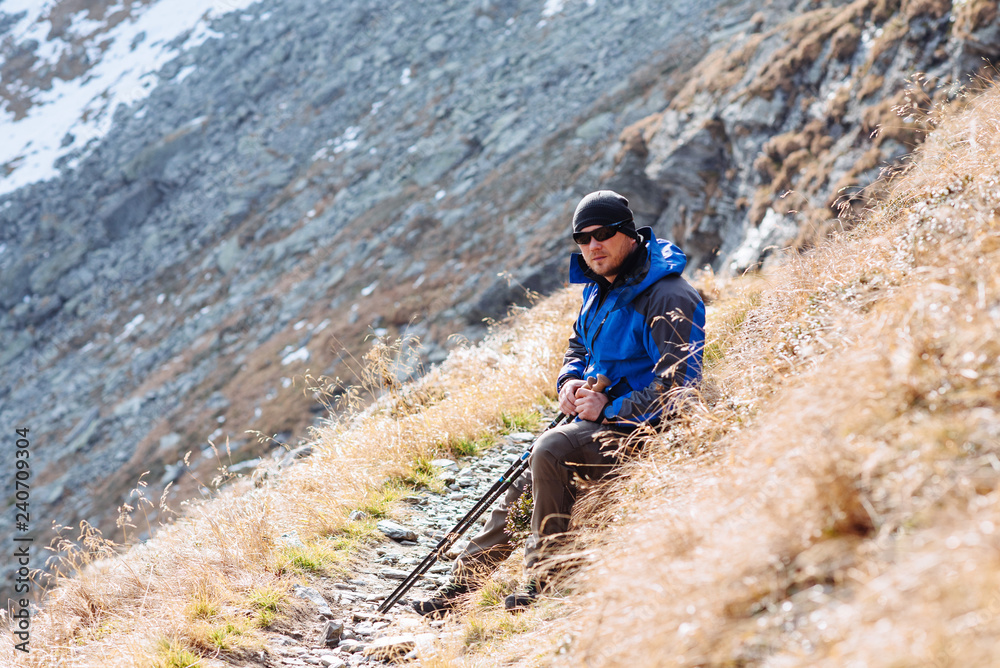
598,383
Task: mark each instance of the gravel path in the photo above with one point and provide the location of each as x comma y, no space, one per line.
346,608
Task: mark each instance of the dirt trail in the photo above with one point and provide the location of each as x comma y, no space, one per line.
367,637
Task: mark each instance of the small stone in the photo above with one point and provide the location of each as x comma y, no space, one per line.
521,436
358,516
331,661
444,464
394,574
396,531
315,597
392,647
291,539
352,646
366,616
332,633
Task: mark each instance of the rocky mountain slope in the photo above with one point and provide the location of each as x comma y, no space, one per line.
304,176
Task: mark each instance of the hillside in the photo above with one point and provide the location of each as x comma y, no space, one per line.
831,500
295,236
255,192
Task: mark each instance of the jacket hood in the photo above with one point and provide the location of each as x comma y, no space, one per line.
662,259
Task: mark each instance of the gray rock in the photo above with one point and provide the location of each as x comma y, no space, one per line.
82,433
228,254
391,648
596,127
129,209
14,347
288,458
74,282
291,539
394,574
245,466
15,283
169,442
312,595
353,646
48,272
332,633
396,531
152,160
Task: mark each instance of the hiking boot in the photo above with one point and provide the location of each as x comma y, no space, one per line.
443,601
522,601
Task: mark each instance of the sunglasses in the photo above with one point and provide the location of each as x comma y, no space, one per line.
602,233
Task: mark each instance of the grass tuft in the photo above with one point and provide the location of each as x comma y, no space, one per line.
530,420
172,654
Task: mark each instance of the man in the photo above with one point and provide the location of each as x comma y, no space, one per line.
641,325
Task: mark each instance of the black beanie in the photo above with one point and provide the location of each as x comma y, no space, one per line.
603,207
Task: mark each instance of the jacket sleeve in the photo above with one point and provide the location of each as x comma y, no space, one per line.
675,336
576,359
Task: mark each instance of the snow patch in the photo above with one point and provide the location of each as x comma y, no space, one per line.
347,141
130,327
300,355
552,7
184,73
84,107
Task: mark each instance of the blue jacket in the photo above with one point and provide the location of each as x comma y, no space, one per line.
645,332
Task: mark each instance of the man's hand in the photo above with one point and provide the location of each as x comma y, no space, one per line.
567,396
589,404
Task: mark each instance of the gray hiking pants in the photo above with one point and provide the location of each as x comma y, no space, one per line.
580,448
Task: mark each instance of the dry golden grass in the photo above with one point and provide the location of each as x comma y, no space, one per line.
204,585
836,500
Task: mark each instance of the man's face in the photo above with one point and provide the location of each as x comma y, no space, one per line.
605,258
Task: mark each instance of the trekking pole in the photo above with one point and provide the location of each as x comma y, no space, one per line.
502,484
